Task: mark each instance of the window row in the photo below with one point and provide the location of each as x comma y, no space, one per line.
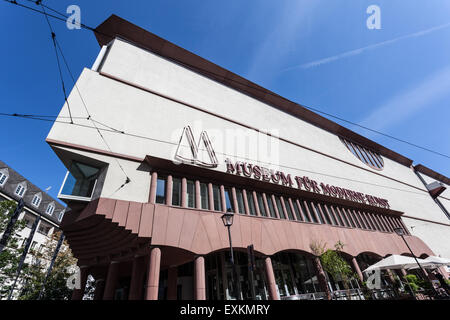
369,157
207,196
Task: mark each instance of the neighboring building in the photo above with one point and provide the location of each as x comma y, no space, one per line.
146,226
37,202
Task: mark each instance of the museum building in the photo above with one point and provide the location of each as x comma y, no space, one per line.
164,143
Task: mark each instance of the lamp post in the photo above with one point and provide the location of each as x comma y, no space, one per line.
227,220
401,233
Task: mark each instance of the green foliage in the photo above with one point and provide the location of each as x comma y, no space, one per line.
335,264
415,282
55,287
10,256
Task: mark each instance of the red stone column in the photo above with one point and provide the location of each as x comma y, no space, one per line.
169,190
210,197
266,205
273,295
255,202
198,198
77,294
246,206
234,200
99,287
137,279
275,207
200,287
403,271
153,182
292,209
184,192
222,196
111,280
172,278
152,285
357,269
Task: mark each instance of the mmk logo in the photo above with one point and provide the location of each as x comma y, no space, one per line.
201,153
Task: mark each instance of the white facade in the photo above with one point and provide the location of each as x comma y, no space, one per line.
172,97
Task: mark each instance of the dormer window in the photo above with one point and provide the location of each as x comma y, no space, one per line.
369,157
50,208
20,190
36,200
60,215
3,177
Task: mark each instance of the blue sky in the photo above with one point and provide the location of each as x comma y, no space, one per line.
318,53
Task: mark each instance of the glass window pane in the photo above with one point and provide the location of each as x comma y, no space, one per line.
325,214
228,205
204,196
311,211
271,207
240,201
319,215
330,214
251,203
280,208
305,213
190,193
216,197
80,181
176,192
297,210
161,190
262,208
288,209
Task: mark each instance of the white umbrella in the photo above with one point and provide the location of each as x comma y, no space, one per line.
433,262
395,262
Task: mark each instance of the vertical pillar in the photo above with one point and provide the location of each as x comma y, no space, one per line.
211,197
275,207
169,190
224,276
198,198
273,295
99,287
255,202
152,285
184,192
357,269
246,206
291,204
200,288
222,196
172,278
266,205
111,280
153,182
77,294
234,200
137,279
403,271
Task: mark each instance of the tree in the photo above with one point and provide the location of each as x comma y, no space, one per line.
336,265
318,248
10,256
55,286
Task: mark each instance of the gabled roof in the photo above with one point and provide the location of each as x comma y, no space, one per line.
115,26
14,178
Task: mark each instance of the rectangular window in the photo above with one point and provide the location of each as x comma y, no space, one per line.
271,207
330,214
228,204
190,193
288,209
311,211
262,208
2,178
280,208
176,192
325,214
216,198
80,181
251,203
297,210
305,213
240,201
161,190
204,196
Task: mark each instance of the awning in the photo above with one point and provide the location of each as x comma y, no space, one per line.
397,262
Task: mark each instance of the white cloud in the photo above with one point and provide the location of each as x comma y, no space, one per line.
400,107
363,49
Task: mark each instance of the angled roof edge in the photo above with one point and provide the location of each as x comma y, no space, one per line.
115,26
432,174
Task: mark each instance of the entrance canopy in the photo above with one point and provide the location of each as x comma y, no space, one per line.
397,262
434,262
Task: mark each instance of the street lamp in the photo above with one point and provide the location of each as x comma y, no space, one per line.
401,233
227,220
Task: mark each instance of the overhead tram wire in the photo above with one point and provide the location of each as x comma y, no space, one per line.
58,47
237,81
202,149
